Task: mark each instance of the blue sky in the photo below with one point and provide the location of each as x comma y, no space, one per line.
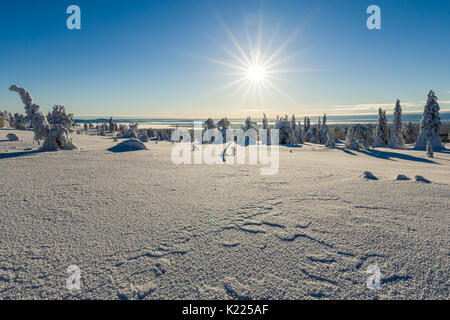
167,58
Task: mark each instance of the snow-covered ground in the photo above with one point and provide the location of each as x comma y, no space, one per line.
140,227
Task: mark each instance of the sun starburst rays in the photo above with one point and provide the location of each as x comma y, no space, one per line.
256,66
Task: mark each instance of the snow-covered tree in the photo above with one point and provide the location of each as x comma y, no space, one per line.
249,124
4,119
111,124
312,135
223,125
396,138
430,125
59,116
55,137
410,133
306,125
330,141
287,134
19,122
323,129
266,126
358,136
296,131
209,124
382,130
101,130
338,133
430,152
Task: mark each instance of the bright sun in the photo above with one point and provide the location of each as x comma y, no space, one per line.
256,68
256,73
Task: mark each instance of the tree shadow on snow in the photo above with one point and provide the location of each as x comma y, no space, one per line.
18,154
387,155
346,151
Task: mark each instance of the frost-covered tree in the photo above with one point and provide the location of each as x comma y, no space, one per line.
101,130
19,122
382,130
430,125
286,132
330,141
249,124
338,133
306,125
430,152
358,136
410,133
223,125
59,116
56,137
323,129
4,119
396,138
312,135
209,124
111,124
265,124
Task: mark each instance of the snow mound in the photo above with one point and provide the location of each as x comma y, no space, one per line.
128,145
402,177
422,179
12,137
369,175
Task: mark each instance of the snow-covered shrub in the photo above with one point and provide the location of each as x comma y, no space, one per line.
164,134
131,131
129,145
55,137
410,133
12,137
396,138
358,136
430,125
430,152
144,137
382,130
